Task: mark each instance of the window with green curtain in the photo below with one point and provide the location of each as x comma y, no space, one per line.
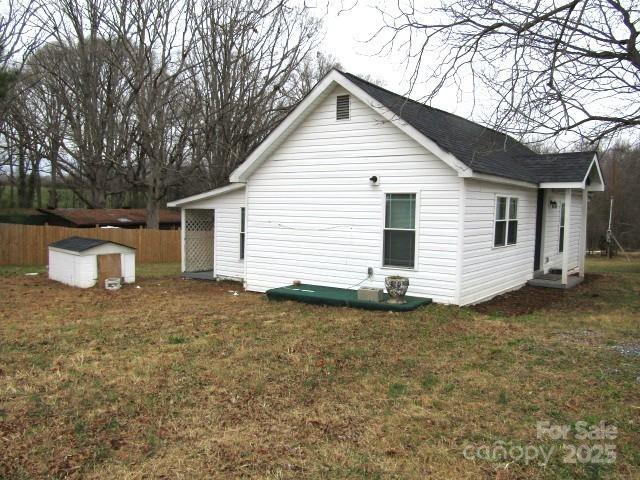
242,215
400,230
506,221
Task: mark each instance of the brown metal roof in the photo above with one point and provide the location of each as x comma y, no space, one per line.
111,216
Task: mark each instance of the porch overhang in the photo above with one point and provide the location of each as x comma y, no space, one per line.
190,202
592,180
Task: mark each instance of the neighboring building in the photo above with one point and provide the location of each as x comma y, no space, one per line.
85,262
108,217
357,179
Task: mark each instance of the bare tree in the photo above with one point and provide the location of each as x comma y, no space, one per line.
157,37
17,36
82,69
152,97
22,149
247,54
555,66
20,37
621,168
36,105
310,72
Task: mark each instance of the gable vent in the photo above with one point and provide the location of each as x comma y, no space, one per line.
343,105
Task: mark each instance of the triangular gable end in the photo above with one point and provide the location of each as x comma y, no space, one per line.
594,171
306,106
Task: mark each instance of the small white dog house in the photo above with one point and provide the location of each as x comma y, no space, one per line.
83,262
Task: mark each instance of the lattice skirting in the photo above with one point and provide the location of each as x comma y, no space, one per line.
198,240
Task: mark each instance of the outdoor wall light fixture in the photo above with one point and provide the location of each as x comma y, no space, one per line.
553,204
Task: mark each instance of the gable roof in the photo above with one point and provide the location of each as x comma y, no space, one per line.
482,149
124,217
472,150
80,244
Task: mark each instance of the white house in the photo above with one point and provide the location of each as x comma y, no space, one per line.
358,183
83,262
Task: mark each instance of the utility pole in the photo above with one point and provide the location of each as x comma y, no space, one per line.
611,237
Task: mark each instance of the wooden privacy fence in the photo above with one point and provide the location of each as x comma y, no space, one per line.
27,244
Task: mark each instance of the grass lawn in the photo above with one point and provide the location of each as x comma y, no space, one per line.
184,379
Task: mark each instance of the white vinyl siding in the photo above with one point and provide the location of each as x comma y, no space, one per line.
486,270
313,216
227,263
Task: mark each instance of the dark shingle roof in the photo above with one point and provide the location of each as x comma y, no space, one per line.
482,149
559,167
80,244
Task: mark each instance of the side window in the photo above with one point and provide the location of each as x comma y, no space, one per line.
242,226
506,222
400,230
561,232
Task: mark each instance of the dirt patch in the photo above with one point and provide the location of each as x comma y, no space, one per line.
583,338
529,299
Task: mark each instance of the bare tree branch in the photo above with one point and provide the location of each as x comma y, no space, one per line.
556,67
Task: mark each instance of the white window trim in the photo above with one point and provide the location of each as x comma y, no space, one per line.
348,95
506,220
416,257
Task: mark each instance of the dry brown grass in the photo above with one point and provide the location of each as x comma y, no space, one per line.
181,379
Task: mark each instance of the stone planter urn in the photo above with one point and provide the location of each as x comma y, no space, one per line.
396,288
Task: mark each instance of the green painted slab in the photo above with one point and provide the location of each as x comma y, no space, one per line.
340,297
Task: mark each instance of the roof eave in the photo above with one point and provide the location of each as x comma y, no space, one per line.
205,195
562,185
498,179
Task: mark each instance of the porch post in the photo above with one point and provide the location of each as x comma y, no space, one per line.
583,233
183,227
567,231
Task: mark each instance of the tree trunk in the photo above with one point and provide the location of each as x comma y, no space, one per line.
52,198
23,195
153,212
12,180
35,192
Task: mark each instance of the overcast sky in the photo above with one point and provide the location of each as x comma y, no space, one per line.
347,32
